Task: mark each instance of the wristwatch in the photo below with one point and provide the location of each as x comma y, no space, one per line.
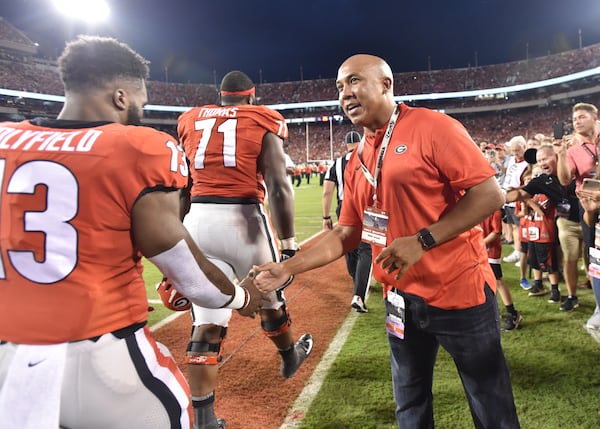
426,239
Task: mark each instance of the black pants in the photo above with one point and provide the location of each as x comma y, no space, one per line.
359,262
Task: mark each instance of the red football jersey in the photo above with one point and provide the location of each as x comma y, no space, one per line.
493,223
68,267
223,144
542,229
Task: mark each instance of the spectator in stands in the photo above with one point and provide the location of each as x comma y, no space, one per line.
590,201
491,153
523,211
533,142
578,157
514,179
566,220
492,238
501,162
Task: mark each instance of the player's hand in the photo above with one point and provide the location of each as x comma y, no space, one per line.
270,276
400,255
327,224
255,297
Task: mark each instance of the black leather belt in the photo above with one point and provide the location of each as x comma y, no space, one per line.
223,200
119,333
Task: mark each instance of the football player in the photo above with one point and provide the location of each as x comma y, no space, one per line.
234,148
84,196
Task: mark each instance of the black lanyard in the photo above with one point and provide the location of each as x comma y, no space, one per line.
592,154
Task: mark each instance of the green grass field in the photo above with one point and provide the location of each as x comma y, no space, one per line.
553,360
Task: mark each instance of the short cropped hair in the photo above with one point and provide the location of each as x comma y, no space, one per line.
236,81
92,61
546,146
517,140
587,107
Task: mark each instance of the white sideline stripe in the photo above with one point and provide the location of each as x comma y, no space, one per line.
167,320
302,403
311,389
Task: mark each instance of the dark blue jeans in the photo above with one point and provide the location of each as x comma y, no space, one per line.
472,338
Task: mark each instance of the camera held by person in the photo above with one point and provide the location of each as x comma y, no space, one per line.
562,129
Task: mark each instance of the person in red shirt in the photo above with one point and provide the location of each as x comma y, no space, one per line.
297,176
322,170
235,149
543,247
306,172
416,189
492,238
576,145
84,196
564,221
521,211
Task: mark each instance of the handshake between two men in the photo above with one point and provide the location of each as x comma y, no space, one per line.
253,296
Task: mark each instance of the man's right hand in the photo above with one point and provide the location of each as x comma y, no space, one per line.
561,146
270,276
255,297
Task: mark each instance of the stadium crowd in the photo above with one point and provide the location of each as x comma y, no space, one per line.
502,130
493,119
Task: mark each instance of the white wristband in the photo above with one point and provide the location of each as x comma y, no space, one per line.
289,243
239,298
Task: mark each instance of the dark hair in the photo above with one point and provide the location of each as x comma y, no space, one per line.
90,61
236,81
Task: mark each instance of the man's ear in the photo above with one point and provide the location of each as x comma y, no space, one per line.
120,99
387,84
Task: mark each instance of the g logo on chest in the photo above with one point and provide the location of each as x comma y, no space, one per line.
400,149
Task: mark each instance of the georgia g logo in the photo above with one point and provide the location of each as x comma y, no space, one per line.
172,299
400,149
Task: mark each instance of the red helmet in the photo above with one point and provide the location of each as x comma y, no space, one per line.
172,299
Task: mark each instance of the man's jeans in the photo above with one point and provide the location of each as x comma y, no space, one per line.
472,338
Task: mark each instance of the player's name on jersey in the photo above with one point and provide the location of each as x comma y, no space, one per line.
224,112
53,141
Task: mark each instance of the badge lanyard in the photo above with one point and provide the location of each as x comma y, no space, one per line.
592,154
373,178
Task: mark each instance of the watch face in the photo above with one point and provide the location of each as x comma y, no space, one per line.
426,239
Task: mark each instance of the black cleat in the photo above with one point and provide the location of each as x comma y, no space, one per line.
302,349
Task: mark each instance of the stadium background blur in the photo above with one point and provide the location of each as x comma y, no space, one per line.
30,86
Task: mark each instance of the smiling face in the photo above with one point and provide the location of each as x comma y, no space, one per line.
546,159
365,91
